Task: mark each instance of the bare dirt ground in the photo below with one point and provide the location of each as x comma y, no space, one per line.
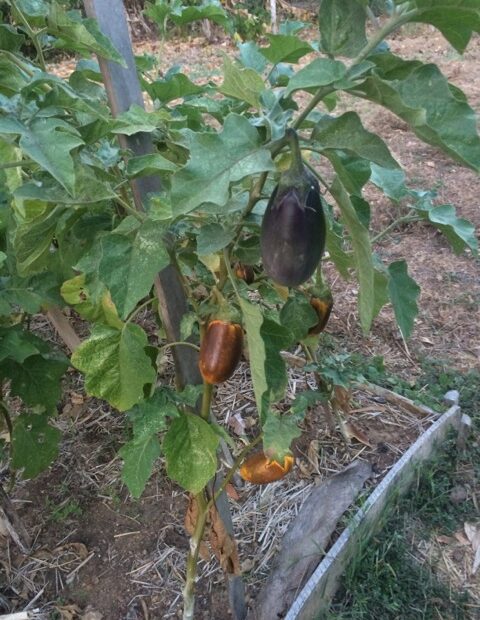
98,553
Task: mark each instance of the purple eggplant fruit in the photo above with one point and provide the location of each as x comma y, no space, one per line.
293,228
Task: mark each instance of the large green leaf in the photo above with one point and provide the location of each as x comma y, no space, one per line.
127,261
265,341
145,165
390,181
17,344
403,291
174,86
10,39
298,316
29,294
136,120
190,448
243,84
82,35
278,433
34,444
347,133
33,237
216,160
320,72
362,253
115,364
422,97
37,379
342,27
182,14
285,48
251,57
140,453
48,141
212,238
456,19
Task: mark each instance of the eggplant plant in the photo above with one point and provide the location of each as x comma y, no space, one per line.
241,194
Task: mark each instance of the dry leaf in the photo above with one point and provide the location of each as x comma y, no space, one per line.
237,424
232,492
92,615
74,547
77,399
445,540
223,545
462,539
354,432
69,612
305,468
312,453
190,522
341,399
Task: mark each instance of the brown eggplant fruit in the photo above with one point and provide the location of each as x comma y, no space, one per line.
260,469
220,351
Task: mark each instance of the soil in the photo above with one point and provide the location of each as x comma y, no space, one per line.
99,551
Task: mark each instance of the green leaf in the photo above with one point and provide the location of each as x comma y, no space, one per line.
251,57
17,344
212,238
190,447
81,35
130,262
175,86
30,294
352,171
37,380
285,48
139,456
48,141
422,97
362,253
265,341
33,238
347,133
184,14
278,433
403,291
115,364
320,72
34,444
459,231
243,84
145,165
136,120
456,19
342,27
10,39
91,300
216,160
298,316
391,182
140,453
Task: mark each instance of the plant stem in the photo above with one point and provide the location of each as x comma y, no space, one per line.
139,216
180,343
24,163
206,401
395,22
410,217
192,559
139,309
231,472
